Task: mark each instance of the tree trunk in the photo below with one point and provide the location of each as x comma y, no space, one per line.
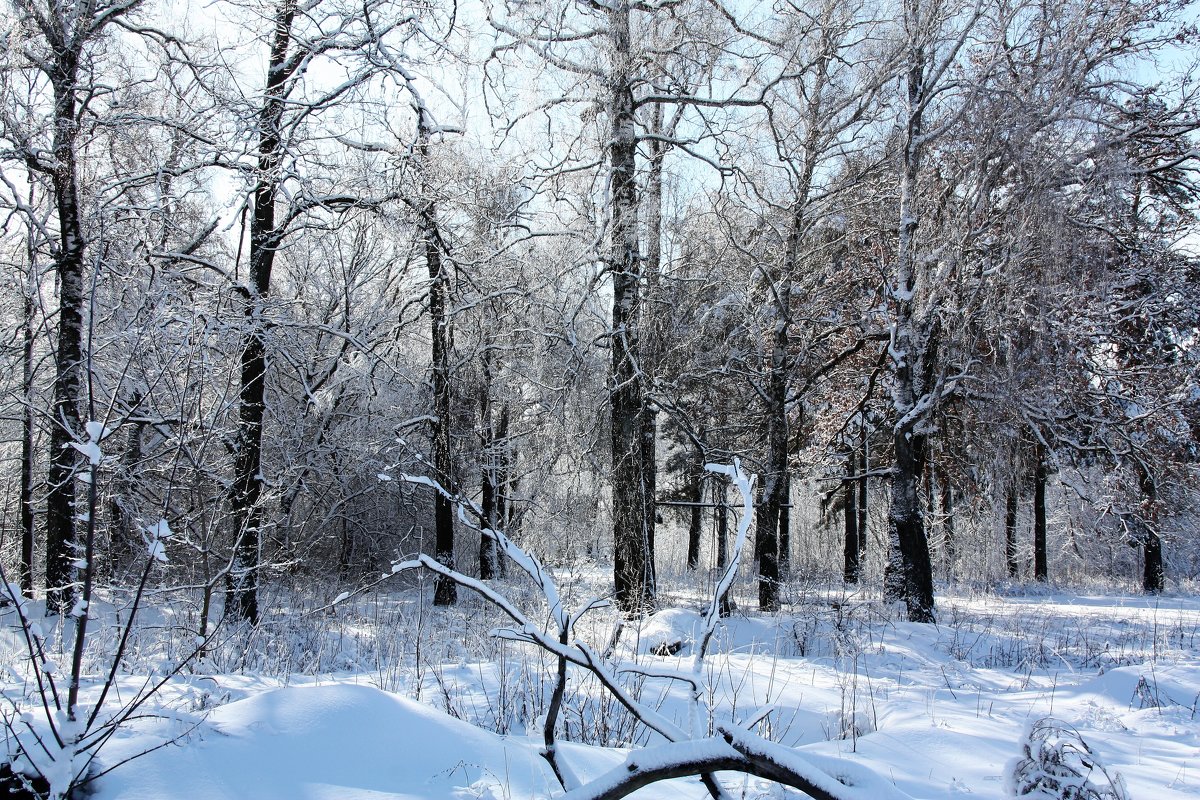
1040,569
65,425
445,592
25,565
125,543
850,572
913,361
651,331
766,521
504,487
906,521
785,530
893,567
1010,529
695,496
488,552
346,548
1153,576
633,527
246,491
862,497
720,495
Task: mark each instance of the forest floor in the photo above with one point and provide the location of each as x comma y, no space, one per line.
383,697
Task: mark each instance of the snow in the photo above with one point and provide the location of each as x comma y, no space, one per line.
91,448
844,687
157,551
335,742
155,548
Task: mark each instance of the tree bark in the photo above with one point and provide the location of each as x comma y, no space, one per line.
906,522
766,520
850,570
1010,529
1040,568
1153,576
785,530
65,425
633,527
720,495
651,330
913,357
28,533
246,491
695,495
445,592
862,497
488,551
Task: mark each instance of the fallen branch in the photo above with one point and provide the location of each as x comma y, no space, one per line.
737,750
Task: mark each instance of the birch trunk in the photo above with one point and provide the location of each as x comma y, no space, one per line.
633,527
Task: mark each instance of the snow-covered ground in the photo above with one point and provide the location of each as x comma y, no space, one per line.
387,698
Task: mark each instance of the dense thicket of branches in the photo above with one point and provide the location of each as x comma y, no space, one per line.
927,267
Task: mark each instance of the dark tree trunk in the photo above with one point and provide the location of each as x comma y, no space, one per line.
445,592
785,530
1010,529
346,550
695,496
1040,568
25,566
65,425
907,522
633,526
766,521
720,495
246,491
862,497
850,572
1153,576
893,567
769,522
487,503
505,489
504,506
489,483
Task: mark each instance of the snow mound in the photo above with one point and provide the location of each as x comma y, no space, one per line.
340,742
669,632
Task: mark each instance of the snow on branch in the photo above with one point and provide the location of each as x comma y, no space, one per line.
528,563
745,487
819,777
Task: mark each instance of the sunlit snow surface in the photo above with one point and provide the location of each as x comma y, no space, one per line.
936,710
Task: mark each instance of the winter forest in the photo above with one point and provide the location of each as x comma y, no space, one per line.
574,398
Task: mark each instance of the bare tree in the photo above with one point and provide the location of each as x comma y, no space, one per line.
279,205
62,43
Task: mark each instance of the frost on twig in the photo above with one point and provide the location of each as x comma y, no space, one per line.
1057,764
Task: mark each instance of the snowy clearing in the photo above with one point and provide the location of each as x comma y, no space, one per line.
933,710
